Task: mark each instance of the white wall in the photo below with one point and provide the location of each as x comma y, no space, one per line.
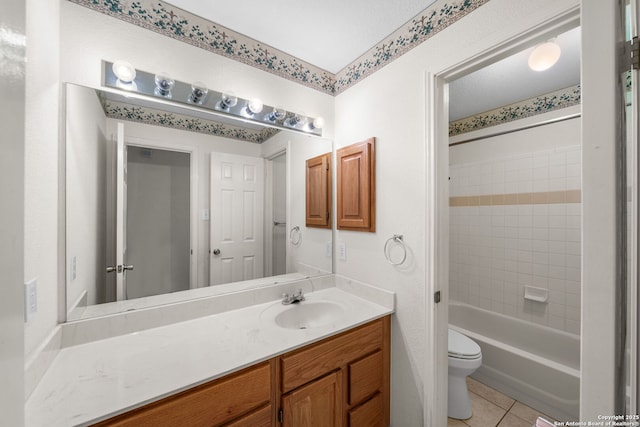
496,250
12,121
390,105
86,162
41,218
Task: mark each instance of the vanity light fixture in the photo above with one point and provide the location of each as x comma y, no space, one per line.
198,93
205,100
544,56
164,84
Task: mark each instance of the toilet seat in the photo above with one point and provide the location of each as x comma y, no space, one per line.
462,347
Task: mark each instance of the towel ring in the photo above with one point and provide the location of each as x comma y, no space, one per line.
295,236
399,240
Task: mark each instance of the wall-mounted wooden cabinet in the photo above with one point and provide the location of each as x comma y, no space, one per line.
318,191
357,186
341,381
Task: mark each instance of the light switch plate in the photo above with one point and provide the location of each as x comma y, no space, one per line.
30,299
342,251
328,249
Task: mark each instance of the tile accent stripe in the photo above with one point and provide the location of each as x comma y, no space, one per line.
552,101
150,116
422,27
539,198
166,19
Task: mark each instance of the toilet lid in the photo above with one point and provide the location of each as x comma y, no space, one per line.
462,347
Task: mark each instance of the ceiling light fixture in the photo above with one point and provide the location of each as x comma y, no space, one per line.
544,56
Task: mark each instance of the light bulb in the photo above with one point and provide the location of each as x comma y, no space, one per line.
124,71
198,93
164,84
544,56
318,123
255,106
276,115
226,102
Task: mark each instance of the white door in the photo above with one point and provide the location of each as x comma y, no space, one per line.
237,208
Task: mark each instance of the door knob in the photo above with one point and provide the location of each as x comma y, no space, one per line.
111,269
127,267
216,251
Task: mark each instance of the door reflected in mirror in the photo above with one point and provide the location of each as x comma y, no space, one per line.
157,214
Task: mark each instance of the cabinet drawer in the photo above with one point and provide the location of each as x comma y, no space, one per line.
210,404
369,414
365,377
259,418
304,365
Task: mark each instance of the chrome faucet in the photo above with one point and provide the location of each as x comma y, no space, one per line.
293,299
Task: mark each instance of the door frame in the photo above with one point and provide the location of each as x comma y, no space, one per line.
193,193
268,209
437,196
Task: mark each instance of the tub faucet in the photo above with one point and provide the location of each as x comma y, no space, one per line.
293,299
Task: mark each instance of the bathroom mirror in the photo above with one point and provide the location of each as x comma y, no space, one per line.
166,203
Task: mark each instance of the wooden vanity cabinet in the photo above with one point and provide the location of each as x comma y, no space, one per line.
318,191
242,399
347,375
341,381
356,188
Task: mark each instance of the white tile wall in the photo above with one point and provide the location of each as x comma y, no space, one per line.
497,250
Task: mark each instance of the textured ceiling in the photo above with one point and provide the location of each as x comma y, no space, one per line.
329,34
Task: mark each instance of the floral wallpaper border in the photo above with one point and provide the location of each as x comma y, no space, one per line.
151,116
171,21
552,101
422,27
166,19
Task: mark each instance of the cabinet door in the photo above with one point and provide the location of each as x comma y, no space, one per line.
317,404
318,191
356,186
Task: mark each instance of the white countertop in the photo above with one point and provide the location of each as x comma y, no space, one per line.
93,381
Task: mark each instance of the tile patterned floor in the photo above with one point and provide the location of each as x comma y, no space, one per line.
494,409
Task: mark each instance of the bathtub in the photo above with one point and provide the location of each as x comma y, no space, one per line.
536,365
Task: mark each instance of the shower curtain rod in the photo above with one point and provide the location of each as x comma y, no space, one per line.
535,125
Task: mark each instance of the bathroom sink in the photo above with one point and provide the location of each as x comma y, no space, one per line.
306,314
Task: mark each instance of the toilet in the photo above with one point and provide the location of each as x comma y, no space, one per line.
464,358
